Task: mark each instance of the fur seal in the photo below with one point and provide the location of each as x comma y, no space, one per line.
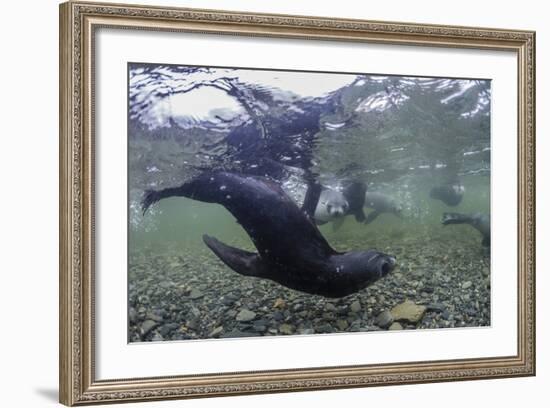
291,250
451,194
334,205
481,222
380,203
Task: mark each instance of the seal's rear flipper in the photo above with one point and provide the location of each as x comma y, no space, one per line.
243,262
337,223
372,216
360,215
455,218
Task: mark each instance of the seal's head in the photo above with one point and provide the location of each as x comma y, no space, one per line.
359,269
336,210
335,203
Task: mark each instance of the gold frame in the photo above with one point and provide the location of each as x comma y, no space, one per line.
76,346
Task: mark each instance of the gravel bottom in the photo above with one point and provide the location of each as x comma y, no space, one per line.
179,292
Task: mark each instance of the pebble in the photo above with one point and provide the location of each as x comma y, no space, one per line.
286,329
466,285
342,324
435,307
216,332
167,328
153,316
329,307
297,307
147,326
279,304
384,319
395,326
245,315
408,311
355,307
278,316
192,324
237,333
132,315
195,294
325,328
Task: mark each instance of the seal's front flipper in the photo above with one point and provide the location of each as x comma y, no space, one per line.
360,215
243,262
311,200
337,223
372,216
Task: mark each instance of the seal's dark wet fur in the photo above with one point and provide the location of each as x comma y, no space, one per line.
291,250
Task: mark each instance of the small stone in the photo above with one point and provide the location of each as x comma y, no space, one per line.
132,315
216,332
395,326
279,304
466,285
325,328
306,331
167,328
286,329
196,294
154,316
342,324
245,315
384,319
147,326
278,316
193,324
238,333
436,307
297,307
355,307
157,337
408,311
329,307
231,313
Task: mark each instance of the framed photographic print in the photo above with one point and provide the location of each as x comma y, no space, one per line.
260,203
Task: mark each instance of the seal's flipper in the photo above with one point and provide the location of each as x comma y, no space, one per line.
354,193
372,216
150,197
455,218
312,199
360,215
337,223
243,262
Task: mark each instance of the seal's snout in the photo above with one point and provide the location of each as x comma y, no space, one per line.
336,211
386,266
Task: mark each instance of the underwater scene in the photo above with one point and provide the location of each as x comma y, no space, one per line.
269,202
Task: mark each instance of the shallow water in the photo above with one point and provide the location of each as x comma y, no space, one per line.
408,143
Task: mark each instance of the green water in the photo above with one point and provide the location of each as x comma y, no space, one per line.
429,131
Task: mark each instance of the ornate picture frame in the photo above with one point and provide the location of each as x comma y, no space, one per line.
79,22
